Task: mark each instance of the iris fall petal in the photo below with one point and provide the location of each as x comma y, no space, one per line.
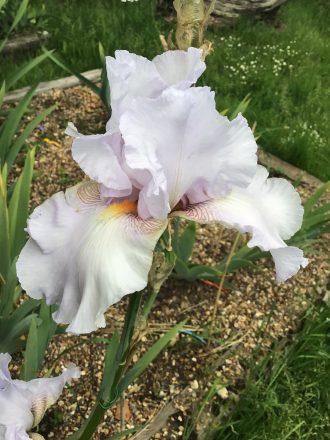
23,404
269,209
85,256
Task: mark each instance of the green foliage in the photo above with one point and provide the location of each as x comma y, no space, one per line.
103,91
14,17
19,73
13,326
19,206
183,242
14,216
30,366
77,27
198,411
42,329
10,126
15,319
18,318
45,330
281,63
19,16
287,394
183,246
11,142
100,91
4,231
117,372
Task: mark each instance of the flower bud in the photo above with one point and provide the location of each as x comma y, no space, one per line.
190,23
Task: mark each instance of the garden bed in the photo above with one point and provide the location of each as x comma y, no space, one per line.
254,313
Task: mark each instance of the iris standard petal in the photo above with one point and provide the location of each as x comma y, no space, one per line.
186,148
131,76
100,157
85,256
269,209
180,68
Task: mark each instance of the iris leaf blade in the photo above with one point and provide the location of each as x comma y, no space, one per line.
19,73
19,14
81,77
4,233
19,142
19,205
30,365
12,122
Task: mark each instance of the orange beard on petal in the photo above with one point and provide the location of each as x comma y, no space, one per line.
124,207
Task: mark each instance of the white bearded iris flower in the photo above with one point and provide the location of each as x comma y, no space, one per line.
23,404
169,155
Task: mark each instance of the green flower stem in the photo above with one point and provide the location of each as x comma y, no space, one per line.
119,351
108,396
152,295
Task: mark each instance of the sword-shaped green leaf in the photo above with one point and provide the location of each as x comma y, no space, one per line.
19,205
11,124
19,142
30,364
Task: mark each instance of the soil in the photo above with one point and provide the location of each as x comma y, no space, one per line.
250,316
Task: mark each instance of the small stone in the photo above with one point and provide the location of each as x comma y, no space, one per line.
223,393
194,385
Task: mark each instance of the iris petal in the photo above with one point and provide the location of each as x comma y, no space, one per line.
100,157
131,76
23,404
180,68
87,255
269,209
186,148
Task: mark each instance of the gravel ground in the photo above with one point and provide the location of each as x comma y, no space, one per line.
255,312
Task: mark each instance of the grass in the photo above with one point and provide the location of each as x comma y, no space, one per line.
282,63
287,394
77,27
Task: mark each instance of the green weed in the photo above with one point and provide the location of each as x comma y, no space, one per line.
287,394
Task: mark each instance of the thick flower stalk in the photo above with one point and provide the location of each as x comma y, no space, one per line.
192,20
23,404
167,152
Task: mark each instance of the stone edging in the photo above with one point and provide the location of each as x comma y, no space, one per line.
24,42
63,83
294,173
